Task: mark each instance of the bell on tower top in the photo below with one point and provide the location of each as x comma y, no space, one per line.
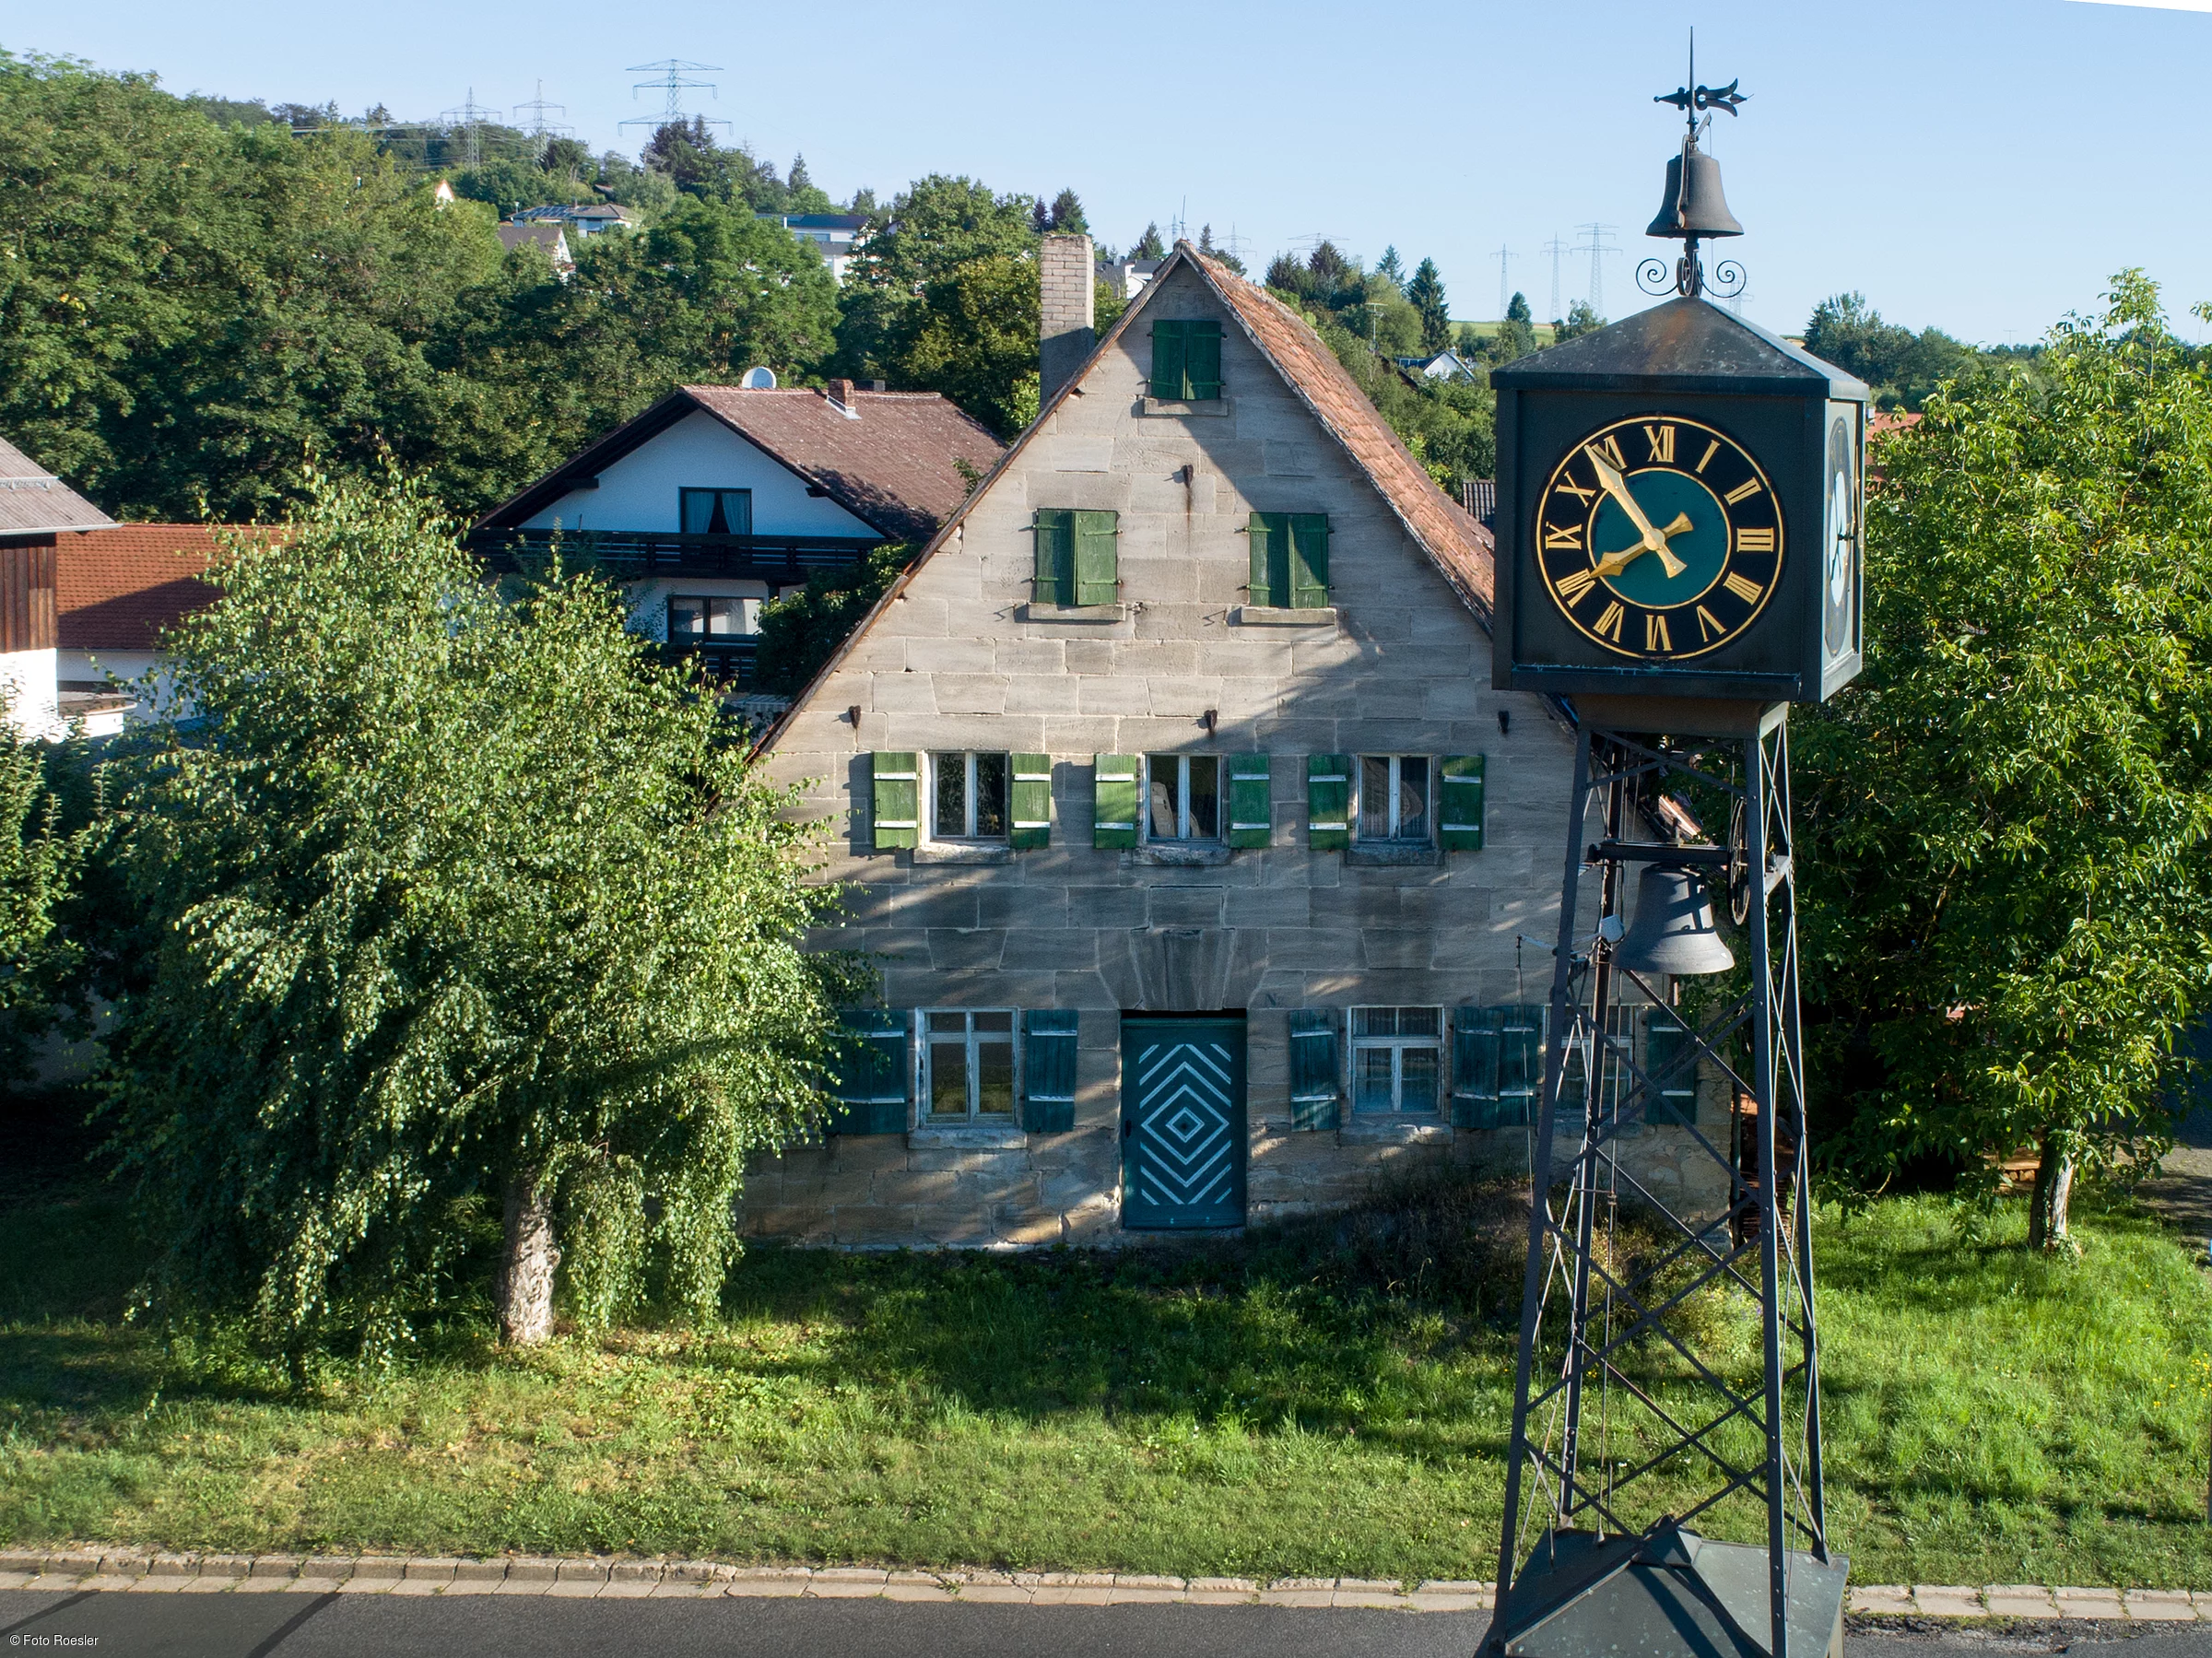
1694,208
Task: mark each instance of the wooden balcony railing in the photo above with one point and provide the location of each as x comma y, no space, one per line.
632,555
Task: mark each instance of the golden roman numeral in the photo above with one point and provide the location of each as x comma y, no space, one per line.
1607,449
1709,625
1567,486
1655,633
1609,623
1743,586
1755,541
1711,449
1662,440
1743,492
1573,585
1570,537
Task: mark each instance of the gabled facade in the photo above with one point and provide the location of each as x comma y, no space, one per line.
37,512
719,498
1175,803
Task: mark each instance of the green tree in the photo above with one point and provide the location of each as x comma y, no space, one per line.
2009,901
1220,256
1149,245
472,916
1067,219
1900,366
973,338
732,175
801,194
510,186
1426,294
40,860
1580,320
1516,335
1390,268
801,630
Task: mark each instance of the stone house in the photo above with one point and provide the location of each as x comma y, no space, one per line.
1174,801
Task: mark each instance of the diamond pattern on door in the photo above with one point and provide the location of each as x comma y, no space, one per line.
1183,1123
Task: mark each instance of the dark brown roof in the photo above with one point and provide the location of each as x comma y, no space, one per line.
119,588
34,502
895,467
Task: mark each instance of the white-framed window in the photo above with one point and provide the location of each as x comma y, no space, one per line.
692,618
1397,1059
1396,797
968,1066
968,796
1184,796
715,512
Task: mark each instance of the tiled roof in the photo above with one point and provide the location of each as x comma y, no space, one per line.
1458,546
895,467
117,589
34,502
547,236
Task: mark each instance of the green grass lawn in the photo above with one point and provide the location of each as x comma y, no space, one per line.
1328,1399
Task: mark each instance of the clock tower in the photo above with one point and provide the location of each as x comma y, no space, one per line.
1678,559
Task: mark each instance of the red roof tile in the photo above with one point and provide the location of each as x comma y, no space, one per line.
118,589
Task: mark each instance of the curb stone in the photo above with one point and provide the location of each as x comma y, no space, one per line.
82,1568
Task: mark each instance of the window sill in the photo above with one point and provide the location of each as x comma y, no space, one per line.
1381,1128
970,1136
1170,854
1277,616
957,852
1387,854
1072,612
1168,405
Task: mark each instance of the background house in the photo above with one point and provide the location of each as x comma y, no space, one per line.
118,589
37,512
1174,800
836,235
718,498
549,236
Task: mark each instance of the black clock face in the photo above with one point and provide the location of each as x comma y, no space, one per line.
1840,586
1659,537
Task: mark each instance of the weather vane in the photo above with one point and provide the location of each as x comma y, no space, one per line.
1694,209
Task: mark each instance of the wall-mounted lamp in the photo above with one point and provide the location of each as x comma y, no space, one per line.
852,714
1210,719
1505,721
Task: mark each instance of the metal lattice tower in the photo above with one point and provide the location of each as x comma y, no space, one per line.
1636,1414
1504,256
1555,247
539,126
470,116
674,80
1596,242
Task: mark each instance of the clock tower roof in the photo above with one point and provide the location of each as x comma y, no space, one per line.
1684,346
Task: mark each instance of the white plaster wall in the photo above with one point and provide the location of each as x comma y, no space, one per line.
143,673
639,491
30,682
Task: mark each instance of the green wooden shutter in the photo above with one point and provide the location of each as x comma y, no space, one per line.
1459,824
1115,787
871,1073
1269,534
1520,1064
1201,361
1328,802
1316,1075
1670,1063
1055,556
898,799
1030,806
1250,801
1048,1092
1168,371
1309,561
1475,1050
1095,562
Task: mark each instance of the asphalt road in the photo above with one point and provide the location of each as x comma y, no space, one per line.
333,1626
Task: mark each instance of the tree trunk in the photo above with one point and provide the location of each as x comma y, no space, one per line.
525,1289
2054,1188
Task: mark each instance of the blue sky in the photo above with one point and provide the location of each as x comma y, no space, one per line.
1979,164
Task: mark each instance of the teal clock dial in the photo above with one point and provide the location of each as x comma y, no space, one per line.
1659,537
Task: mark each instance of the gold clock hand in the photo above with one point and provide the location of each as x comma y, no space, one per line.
1618,487
1613,564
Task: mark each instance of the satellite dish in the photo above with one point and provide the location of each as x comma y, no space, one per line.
759,380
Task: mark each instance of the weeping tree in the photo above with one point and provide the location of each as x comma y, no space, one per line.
2009,896
473,924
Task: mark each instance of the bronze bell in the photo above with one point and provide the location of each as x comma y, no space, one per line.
1701,209
1673,931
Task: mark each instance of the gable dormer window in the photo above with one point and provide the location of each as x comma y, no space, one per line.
715,512
1186,361
1078,556
1289,560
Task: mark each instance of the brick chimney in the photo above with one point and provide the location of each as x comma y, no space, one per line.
840,393
1066,326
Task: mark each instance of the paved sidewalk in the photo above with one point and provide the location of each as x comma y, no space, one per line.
104,1570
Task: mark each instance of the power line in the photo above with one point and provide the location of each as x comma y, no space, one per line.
539,126
1595,244
1504,256
673,73
470,116
1555,247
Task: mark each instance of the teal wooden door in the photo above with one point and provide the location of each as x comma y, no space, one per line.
1183,1123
